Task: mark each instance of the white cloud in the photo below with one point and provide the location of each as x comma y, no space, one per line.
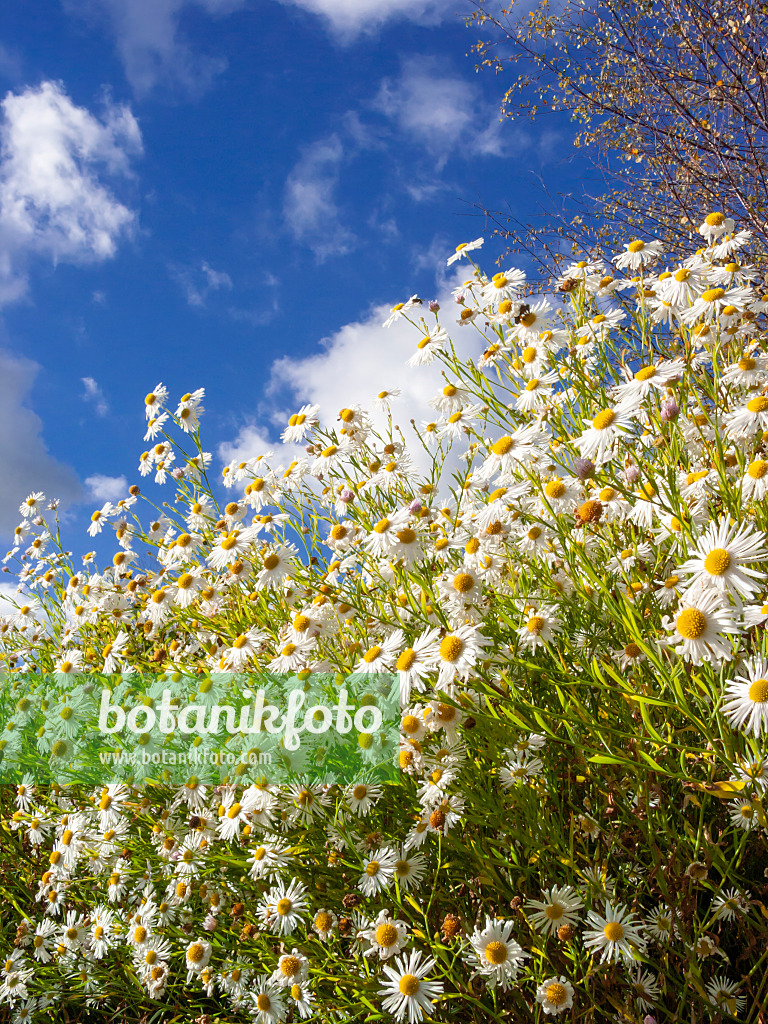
149,44
197,284
25,462
52,204
8,594
352,366
443,111
349,18
93,393
309,204
106,488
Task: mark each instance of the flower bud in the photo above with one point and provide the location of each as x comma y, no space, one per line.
584,467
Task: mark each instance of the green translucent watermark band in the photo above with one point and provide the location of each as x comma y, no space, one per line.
167,729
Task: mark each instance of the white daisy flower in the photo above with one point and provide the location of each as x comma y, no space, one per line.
601,433
559,905
497,955
747,706
720,557
614,936
406,992
555,995
699,623
463,248
386,936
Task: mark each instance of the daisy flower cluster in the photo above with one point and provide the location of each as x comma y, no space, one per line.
563,567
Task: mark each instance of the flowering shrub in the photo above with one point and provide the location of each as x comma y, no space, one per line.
565,570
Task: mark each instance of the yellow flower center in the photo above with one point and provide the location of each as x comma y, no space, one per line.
535,624
323,921
451,648
555,489
603,419
372,869
196,952
553,912
386,935
614,931
409,985
713,294
757,469
691,623
759,404
496,953
503,446
715,219
758,691
556,993
646,373
406,536
717,562
463,582
405,660
632,651
284,906
290,966
636,246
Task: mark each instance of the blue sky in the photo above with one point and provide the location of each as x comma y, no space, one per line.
224,194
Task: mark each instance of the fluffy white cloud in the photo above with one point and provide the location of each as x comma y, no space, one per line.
197,284
25,462
348,18
444,111
93,393
149,44
106,488
351,367
52,204
309,204
9,598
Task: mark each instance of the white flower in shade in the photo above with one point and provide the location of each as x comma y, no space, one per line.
519,769
555,995
378,872
743,814
747,706
497,955
268,1005
539,628
721,556
722,993
615,935
385,936
463,249
728,904
601,433
645,989
361,796
754,483
699,624
409,869
558,906
660,924
406,992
